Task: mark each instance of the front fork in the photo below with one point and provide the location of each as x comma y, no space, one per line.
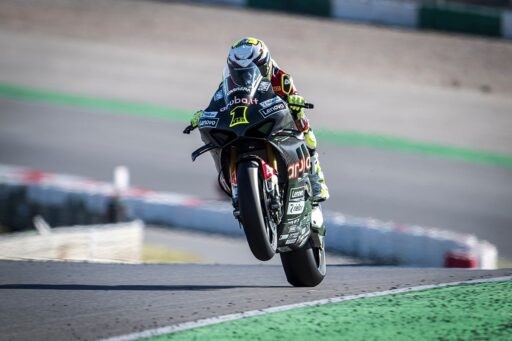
270,180
233,156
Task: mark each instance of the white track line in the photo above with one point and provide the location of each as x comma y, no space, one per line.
231,317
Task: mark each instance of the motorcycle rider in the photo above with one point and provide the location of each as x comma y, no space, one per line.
255,50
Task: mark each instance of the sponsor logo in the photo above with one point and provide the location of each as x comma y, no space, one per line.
208,122
238,116
286,83
272,110
298,168
297,194
239,89
236,100
277,88
264,86
295,207
283,237
218,95
246,101
293,221
290,241
209,114
269,102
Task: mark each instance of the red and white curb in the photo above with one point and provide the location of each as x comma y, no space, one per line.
384,242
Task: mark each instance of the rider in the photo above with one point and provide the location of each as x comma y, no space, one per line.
255,50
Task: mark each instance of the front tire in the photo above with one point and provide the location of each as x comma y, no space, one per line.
304,267
261,238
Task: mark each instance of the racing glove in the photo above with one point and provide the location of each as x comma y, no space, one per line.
193,122
195,118
296,103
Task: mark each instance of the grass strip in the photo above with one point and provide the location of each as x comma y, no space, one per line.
464,312
341,138
410,146
111,105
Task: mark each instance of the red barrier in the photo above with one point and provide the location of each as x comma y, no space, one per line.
460,260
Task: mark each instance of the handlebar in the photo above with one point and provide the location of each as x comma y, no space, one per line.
188,129
307,106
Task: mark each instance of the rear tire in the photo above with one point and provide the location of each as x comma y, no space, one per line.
262,240
304,267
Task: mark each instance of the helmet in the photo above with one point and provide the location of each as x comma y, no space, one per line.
248,50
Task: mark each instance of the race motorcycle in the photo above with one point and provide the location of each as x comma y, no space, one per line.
263,165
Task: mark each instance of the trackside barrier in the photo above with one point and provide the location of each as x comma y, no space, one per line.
237,3
118,242
383,242
454,17
506,24
420,14
317,7
385,12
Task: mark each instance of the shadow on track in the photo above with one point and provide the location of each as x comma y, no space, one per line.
127,287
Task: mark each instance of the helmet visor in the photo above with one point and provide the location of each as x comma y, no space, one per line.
245,76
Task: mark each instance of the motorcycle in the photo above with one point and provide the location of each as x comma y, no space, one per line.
263,165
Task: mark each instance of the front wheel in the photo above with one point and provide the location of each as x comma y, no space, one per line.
260,234
305,267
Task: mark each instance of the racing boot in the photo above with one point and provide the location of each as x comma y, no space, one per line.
318,227
316,177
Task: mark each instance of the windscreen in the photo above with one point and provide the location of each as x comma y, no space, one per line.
241,79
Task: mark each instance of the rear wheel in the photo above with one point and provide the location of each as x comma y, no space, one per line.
304,267
261,235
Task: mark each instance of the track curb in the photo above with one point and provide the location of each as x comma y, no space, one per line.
61,199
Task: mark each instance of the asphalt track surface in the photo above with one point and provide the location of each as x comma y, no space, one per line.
63,301
208,248
406,188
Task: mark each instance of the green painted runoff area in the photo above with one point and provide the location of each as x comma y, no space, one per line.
342,138
463,312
